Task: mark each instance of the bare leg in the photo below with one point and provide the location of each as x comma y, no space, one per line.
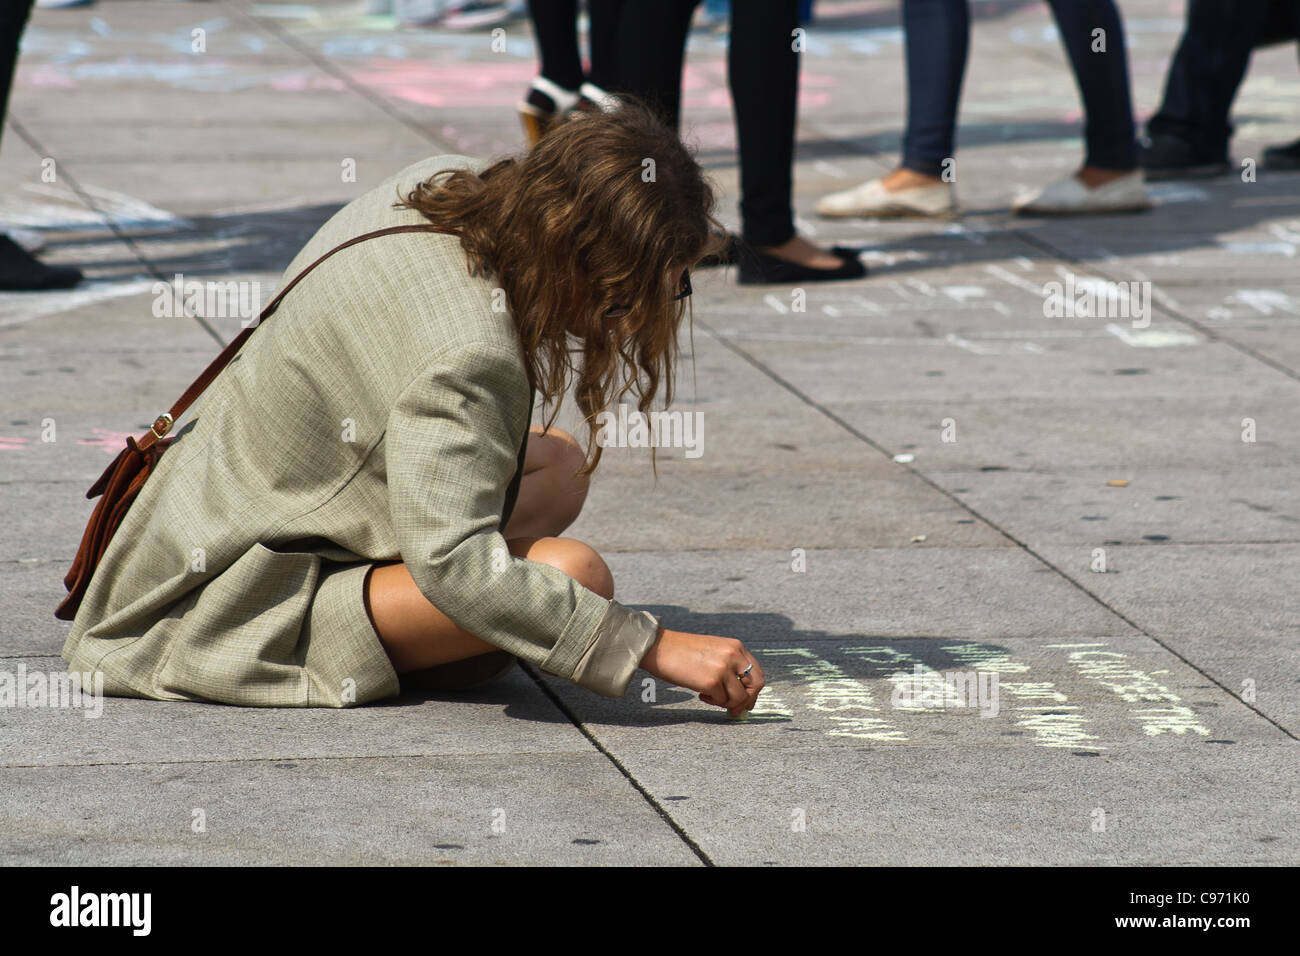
416,635
800,250
1094,176
550,493
905,178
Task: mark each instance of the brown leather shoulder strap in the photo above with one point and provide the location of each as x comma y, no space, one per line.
162,425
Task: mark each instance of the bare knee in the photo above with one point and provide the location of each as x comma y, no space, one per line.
565,490
578,560
561,451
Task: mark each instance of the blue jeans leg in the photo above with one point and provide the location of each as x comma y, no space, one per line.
1100,63
937,38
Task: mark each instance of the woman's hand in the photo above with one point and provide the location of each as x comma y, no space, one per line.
709,665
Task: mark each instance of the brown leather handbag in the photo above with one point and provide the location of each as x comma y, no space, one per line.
122,480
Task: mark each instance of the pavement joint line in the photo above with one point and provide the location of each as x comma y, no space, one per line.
618,765
863,437
1207,331
327,65
113,227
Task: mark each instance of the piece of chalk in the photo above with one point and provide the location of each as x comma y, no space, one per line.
743,715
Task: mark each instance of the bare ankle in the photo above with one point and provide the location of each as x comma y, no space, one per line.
1094,176
905,178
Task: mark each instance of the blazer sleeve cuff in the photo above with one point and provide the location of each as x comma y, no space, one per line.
617,646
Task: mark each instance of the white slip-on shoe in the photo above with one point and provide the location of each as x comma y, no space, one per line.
546,104
873,199
1069,197
595,95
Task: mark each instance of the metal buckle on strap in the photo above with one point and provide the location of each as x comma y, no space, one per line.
164,421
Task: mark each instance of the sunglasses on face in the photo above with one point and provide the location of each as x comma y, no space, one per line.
683,291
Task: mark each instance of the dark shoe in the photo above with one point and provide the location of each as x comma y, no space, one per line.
845,252
726,253
1283,157
21,272
459,675
758,268
1168,157
546,105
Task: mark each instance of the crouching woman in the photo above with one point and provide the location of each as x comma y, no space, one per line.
358,503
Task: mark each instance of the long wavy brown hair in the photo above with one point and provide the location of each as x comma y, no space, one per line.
602,214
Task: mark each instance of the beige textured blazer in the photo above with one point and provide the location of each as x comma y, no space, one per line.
377,415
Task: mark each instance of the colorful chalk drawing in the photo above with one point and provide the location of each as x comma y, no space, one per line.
1263,302
1054,723
1259,248
1164,194
52,207
1152,338
110,441
901,664
19,307
900,296
831,691
114,209
1112,670
431,68
806,687
770,707
1286,231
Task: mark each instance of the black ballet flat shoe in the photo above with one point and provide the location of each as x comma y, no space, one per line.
1285,156
1168,157
22,272
758,268
725,256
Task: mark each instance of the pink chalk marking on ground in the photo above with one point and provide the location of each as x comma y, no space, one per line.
111,441
44,75
12,444
471,85
448,84
478,85
303,82
706,87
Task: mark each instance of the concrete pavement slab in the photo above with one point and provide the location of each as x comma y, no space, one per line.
190,186
485,810
1020,359
1160,506
32,589
1280,344
843,763
509,716
762,596
1219,606
826,508
1124,436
